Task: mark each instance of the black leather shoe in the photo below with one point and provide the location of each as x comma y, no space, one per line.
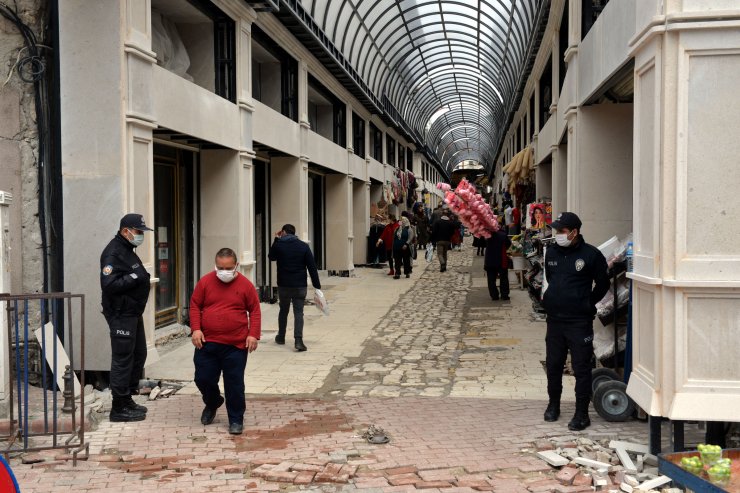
236,429
579,422
126,415
505,298
552,413
299,346
209,413
396,277
408,275
280,339
495,298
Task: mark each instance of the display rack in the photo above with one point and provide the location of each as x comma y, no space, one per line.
668,464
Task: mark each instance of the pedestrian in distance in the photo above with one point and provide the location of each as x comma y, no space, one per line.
403,242
124,283
496,264
442,232
422,227
386,240
225,322
293,258
578,278
480,245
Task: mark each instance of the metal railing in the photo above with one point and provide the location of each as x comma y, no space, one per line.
62,425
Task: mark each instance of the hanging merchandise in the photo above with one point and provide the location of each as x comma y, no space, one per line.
473,211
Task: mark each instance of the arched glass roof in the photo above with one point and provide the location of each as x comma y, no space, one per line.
449,67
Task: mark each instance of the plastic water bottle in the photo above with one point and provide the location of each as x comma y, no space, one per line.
630,256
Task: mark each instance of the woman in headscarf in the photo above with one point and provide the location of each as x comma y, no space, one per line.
403,241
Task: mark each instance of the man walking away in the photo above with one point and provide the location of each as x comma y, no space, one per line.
125,285
578,279
442,232
496,264
225,321
293,258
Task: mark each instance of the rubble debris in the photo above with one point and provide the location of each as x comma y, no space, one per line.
154,393
608,466
552,458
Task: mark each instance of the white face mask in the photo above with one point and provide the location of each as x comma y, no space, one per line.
136,239
226,275
562,240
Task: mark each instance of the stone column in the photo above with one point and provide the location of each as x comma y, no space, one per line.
686,265
338,223
361,220
5,201
559,179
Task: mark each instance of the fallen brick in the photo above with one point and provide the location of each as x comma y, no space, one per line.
403,479
583,479
331,478
543,488
281,476
283,467
32,459
637,448
307,467
400,470
541,445
423,485
437,475
566,475
304,477
570,489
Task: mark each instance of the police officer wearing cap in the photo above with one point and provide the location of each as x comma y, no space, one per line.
125,286
577,279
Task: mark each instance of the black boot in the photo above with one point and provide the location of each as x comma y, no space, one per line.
299,346
280,339
580,420
130,403
121,413
552,413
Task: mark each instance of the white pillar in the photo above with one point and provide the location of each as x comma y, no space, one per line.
5,200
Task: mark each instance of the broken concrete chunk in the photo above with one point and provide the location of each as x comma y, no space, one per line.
593,464
625,487
637,448
632,481
552,458
650,460
603,457
626,460
154,393
654,483
651,470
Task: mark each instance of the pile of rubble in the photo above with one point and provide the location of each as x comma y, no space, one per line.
609,465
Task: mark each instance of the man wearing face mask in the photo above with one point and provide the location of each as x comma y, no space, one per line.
125,285
577,279
225,321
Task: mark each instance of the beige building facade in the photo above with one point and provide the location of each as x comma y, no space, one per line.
637,136
211,165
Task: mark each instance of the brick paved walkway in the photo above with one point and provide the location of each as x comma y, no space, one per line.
445,372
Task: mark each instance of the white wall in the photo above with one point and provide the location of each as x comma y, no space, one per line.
604,182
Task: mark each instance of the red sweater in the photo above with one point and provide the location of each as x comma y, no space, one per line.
387,235
226,312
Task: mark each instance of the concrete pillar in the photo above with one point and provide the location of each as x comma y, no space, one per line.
289,194
543,180
246,244
5,201
559,179
604,179
222,204
686,269
338,223
361,220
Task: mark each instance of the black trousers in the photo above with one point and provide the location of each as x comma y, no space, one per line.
297,298
402,257
389,255
210,361
578,338
503,275
128,355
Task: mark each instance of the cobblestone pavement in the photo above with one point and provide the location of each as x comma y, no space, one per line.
454,379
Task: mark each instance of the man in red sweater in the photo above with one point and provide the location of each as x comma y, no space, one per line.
386,239
225,323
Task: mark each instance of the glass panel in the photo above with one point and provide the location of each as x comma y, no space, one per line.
164,236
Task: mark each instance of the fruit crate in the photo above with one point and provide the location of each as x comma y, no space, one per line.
670,465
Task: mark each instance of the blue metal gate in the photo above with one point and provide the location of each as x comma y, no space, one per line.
50,416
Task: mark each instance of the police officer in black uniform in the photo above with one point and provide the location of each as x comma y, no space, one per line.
577,279
125,286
